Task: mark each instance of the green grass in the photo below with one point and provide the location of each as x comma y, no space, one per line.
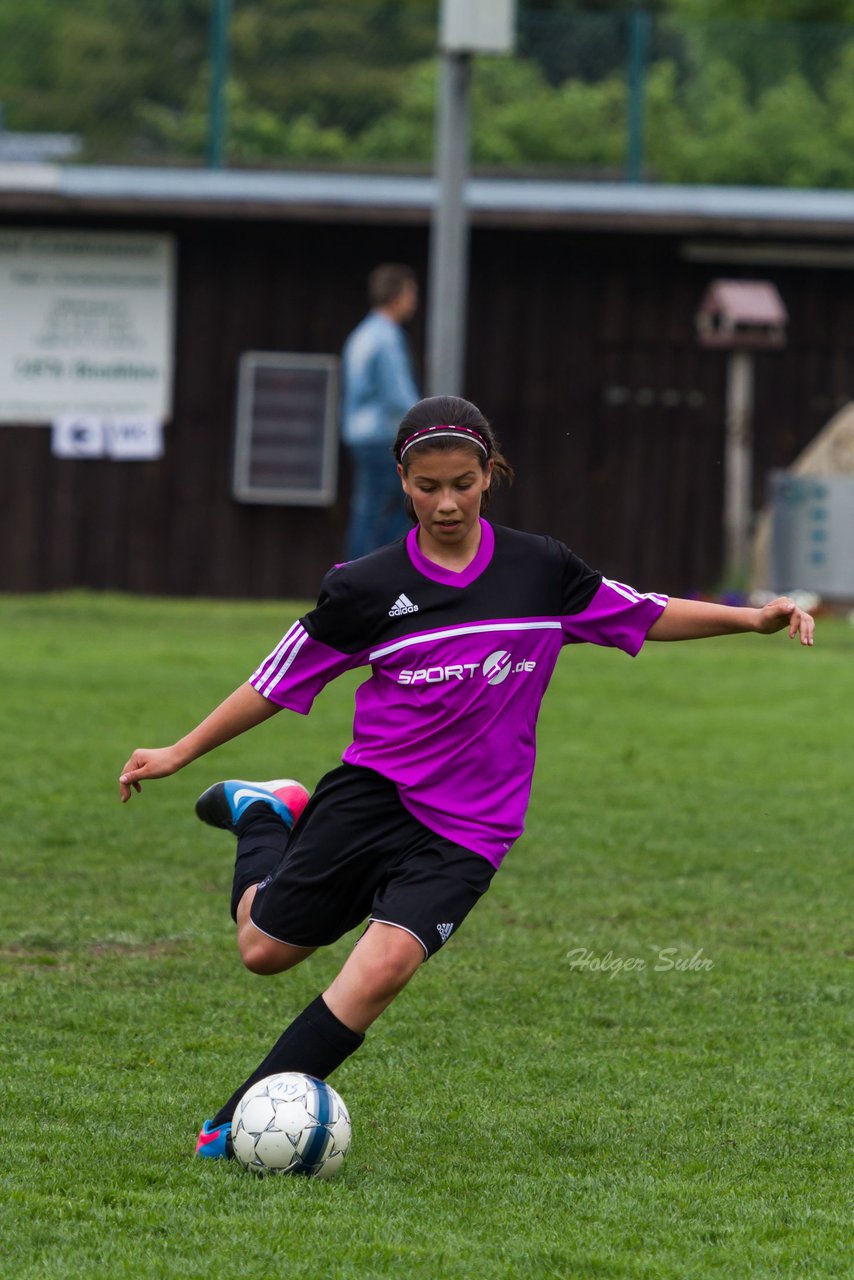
514,1115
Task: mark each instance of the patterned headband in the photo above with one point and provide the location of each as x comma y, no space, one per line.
448,431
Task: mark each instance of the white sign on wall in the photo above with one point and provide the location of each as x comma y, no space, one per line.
86,325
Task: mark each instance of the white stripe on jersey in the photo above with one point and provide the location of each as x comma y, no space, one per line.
629,593
463,631
274,656
285,659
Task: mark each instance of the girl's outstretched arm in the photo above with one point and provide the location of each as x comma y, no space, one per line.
694,619
242,710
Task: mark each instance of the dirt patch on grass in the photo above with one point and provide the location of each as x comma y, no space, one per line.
58,955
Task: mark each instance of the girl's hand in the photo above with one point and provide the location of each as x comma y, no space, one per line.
241,710
148,762
783,612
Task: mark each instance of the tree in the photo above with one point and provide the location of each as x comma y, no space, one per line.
731,96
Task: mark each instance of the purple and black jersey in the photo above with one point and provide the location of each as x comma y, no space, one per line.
459,665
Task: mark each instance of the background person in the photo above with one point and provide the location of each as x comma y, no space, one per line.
379,388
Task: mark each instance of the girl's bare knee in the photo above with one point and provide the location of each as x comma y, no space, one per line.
388,972
263,955
257,958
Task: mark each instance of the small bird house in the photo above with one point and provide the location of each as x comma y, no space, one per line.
742,315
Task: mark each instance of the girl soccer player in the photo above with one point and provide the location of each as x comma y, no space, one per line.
461,624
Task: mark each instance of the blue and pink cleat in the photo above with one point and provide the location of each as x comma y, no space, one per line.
225,803
215,1143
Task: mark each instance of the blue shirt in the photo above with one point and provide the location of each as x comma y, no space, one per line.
378,384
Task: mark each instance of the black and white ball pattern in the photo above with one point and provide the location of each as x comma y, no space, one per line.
291,1123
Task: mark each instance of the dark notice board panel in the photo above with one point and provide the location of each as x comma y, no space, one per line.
286,443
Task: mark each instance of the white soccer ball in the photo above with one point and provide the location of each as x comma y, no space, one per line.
291,1123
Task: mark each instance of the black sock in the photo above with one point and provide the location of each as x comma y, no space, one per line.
262,838
316,1043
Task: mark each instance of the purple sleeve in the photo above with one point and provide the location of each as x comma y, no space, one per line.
617,615
299,667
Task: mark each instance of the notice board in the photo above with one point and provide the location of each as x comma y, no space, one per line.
86,324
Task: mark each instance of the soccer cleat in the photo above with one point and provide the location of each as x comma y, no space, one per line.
215,1143
225,803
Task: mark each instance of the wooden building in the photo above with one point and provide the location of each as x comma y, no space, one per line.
581,349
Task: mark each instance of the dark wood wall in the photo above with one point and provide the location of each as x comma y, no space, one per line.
581,350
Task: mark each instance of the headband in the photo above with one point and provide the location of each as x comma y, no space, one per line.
448,431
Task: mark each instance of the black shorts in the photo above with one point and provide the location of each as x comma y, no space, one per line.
356,852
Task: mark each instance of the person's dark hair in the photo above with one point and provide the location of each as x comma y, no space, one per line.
387,282
450,411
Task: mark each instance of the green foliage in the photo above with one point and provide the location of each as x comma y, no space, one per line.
711,131
776,11
514,1115
256,135
406,133
521,120
305,82
732,93
87,68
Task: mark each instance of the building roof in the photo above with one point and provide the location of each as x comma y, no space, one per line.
396,198
37,147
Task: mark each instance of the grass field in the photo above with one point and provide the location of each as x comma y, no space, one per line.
521,1111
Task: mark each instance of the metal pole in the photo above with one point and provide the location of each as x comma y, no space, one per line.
738,479
448,270
639,26
218,108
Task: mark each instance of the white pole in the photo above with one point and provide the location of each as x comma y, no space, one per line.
738,478
447,295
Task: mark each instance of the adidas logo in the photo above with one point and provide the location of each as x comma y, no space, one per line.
444,931
402,605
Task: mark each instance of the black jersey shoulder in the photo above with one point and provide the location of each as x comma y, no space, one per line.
359,599
383,596
543,569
